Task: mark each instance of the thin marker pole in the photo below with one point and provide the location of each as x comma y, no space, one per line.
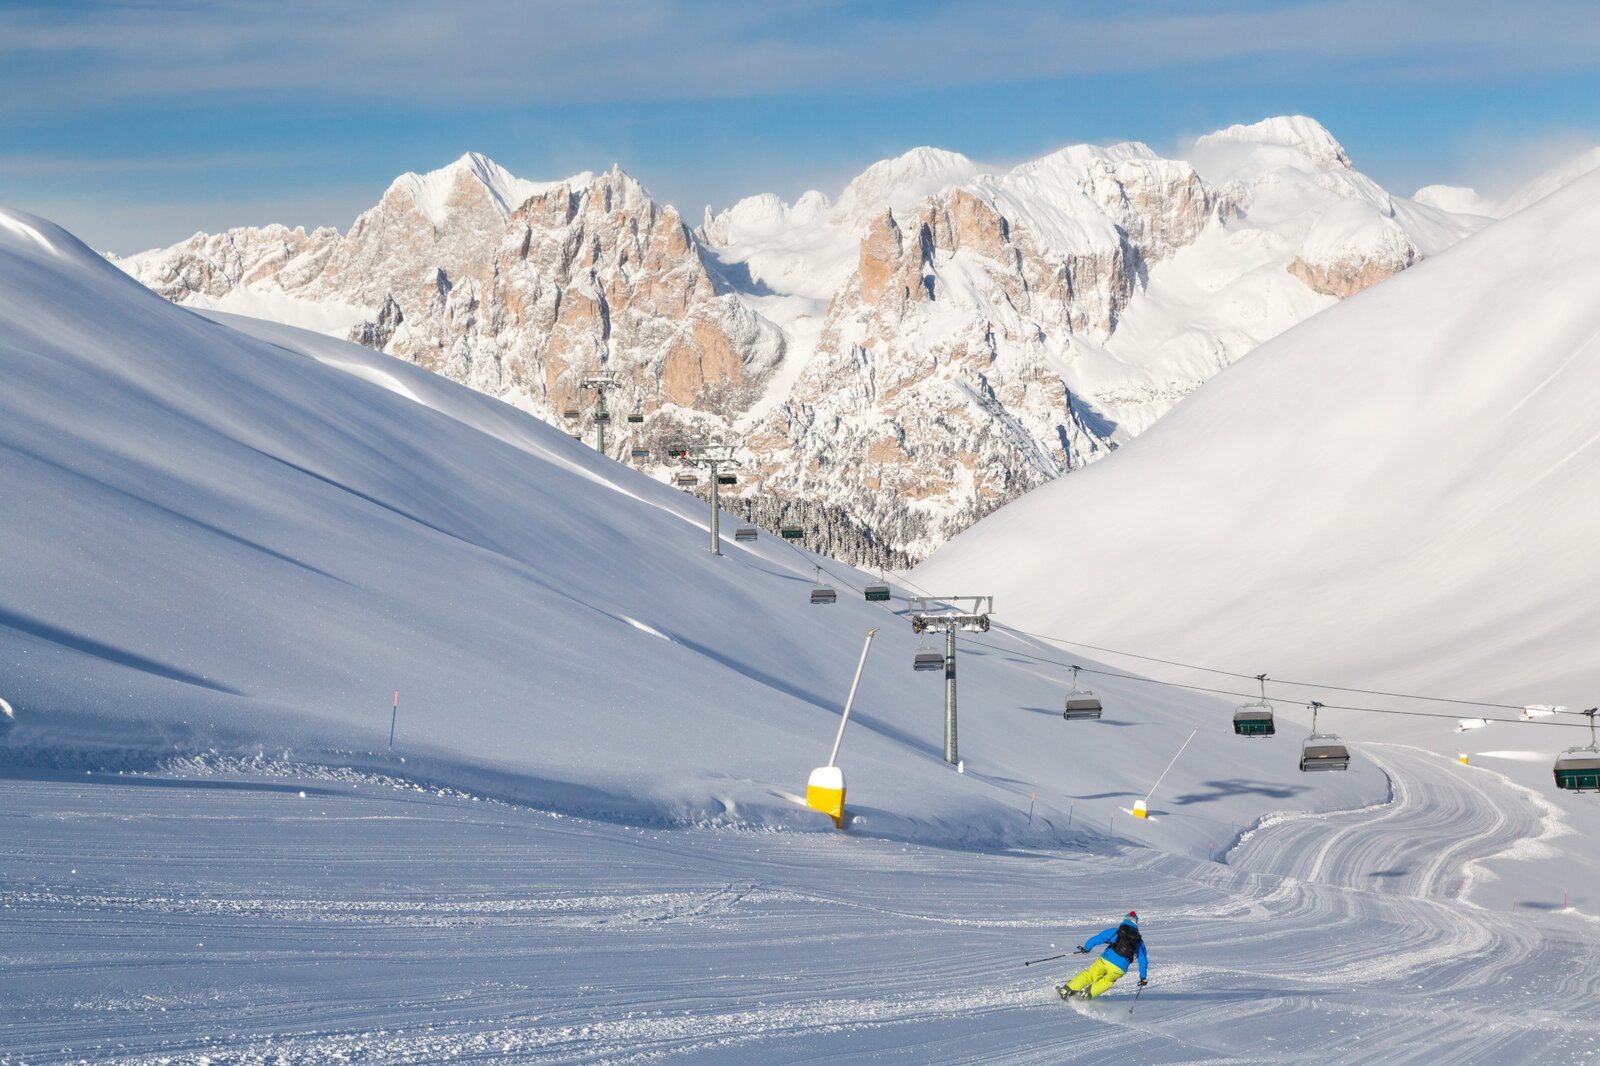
392,717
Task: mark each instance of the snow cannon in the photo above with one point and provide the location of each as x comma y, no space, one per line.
8,718
1141,809
825,789
825,793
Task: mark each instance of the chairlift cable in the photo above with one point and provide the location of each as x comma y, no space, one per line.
1247,695
1213,670
1275,680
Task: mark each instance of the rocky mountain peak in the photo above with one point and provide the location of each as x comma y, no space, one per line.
471,180
898,363
1305,135
901,183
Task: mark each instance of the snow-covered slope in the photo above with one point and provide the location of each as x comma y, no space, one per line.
249,543
892,365
1400,490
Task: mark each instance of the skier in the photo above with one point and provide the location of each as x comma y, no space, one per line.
1125,945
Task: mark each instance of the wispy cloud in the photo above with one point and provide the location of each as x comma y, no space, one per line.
28,165
422,53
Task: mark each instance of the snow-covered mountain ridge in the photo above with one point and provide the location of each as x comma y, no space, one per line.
938,341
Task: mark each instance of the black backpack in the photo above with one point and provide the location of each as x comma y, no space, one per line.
1127,942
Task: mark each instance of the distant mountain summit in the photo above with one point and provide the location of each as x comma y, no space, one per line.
894,364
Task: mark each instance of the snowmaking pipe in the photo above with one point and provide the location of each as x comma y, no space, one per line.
850,699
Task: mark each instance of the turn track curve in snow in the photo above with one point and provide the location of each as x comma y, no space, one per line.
237,920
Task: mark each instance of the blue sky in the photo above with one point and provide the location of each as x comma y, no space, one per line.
135,123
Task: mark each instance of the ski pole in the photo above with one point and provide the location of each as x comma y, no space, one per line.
1136,998
1063,955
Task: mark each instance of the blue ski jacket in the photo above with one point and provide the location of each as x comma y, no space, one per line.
1112,957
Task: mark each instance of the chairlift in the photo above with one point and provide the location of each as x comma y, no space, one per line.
791,532
687,478
823,593
926,658
877,592
727,479
635,416
639,451
570,412
1081,703
745,533
1578,769
1255,719
602,416
1322,751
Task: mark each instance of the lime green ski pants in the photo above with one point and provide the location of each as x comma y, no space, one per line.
1100,976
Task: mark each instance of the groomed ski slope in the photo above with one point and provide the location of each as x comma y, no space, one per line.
225,552
275,919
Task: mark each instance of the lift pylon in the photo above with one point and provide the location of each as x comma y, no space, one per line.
601,381
947,615
714,456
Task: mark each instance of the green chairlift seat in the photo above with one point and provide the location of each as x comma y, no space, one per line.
1255,719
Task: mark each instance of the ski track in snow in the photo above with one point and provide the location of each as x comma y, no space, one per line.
151,920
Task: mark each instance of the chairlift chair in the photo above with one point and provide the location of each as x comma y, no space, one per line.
745,533
926,658
727,479
1081,703
878,592
791,532
636,416
570,412
639,451
1578,769
602,416
1255,719
1322,751
823,593
688,479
